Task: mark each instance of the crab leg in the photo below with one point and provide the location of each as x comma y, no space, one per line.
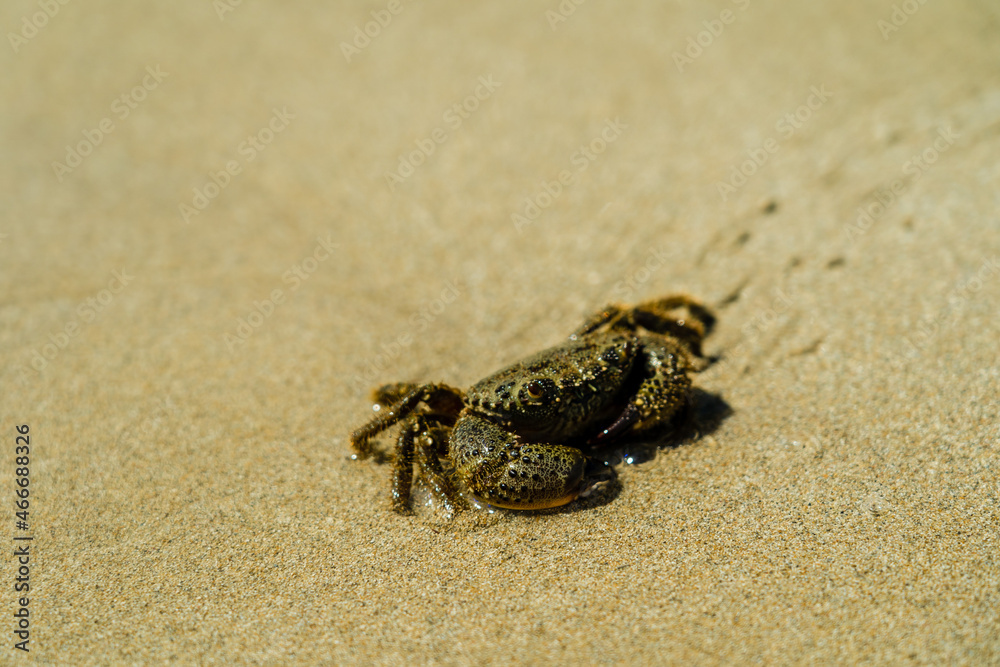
439,397
430,468
597,320
656,316
667,385
402,467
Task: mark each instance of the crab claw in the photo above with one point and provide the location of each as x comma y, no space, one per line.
500,470
534,477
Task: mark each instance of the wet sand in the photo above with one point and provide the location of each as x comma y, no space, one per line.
221,228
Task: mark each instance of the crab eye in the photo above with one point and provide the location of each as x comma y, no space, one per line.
616,355
535,390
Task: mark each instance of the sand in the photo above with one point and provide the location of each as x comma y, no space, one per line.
222,223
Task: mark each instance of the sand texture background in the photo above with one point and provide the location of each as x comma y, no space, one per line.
193,499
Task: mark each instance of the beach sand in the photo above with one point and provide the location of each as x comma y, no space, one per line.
223,223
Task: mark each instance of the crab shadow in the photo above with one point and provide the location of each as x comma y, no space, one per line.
703,416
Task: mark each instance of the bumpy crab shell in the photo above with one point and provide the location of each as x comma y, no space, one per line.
514,439
559,393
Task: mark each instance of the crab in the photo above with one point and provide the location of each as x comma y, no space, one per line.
518,439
